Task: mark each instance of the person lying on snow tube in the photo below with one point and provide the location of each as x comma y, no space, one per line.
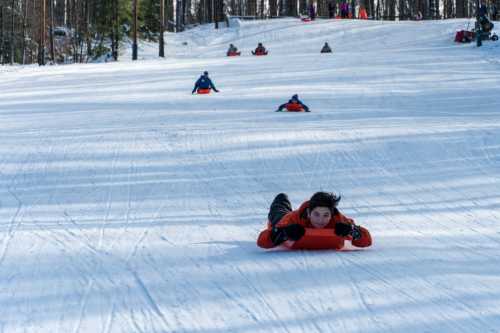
317,224
233,51
326,48
293,105
260,50
203,85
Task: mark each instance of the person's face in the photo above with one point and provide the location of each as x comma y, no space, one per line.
319,216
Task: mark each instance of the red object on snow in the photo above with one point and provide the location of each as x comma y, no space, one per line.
306,19
202,91
294,107
464,36
260,53
233,54
313,239
363,15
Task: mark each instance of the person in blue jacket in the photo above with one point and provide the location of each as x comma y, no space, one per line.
204,82
293,105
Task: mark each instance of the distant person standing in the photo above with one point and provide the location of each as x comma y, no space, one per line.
312,11
493,11
331,9
483,10
344,10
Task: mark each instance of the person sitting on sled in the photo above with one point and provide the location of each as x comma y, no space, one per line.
287,227
260,49
293,105
204,83
233,50
326,48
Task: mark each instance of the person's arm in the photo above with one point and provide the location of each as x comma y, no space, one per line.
195,86
306,109
346,227
281,107
211,84
287,229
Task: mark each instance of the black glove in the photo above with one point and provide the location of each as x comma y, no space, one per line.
346,229
343,229
293,232
356,232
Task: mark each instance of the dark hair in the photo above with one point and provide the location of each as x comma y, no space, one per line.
324,199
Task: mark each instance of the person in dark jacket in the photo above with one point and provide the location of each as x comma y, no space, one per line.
293,105
312,11
326,48
286,226
232,50
204,82
493,12
331,9
260,49
483,10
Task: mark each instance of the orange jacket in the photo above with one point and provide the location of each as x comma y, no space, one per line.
299,216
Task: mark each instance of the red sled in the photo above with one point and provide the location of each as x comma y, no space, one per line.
313,239
203,91
294,108
233,54
259,53
464,36
305,19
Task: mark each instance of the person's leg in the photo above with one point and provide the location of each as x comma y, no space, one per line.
279,208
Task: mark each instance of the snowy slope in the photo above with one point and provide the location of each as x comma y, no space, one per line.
129,205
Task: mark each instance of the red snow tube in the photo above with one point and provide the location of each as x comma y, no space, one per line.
233,54
203,91
260,53
294,107
313,239
464,36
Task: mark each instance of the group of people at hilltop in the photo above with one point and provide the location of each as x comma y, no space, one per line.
261,50
343,10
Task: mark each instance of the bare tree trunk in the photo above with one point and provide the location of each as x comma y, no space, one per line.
215,10
273,8
161,52
25,20
51,31
460,8
114,35
41,43
12,34
1,34
251,7
134,30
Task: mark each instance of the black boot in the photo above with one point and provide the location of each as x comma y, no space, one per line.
279,208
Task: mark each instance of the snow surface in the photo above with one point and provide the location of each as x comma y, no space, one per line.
129,205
